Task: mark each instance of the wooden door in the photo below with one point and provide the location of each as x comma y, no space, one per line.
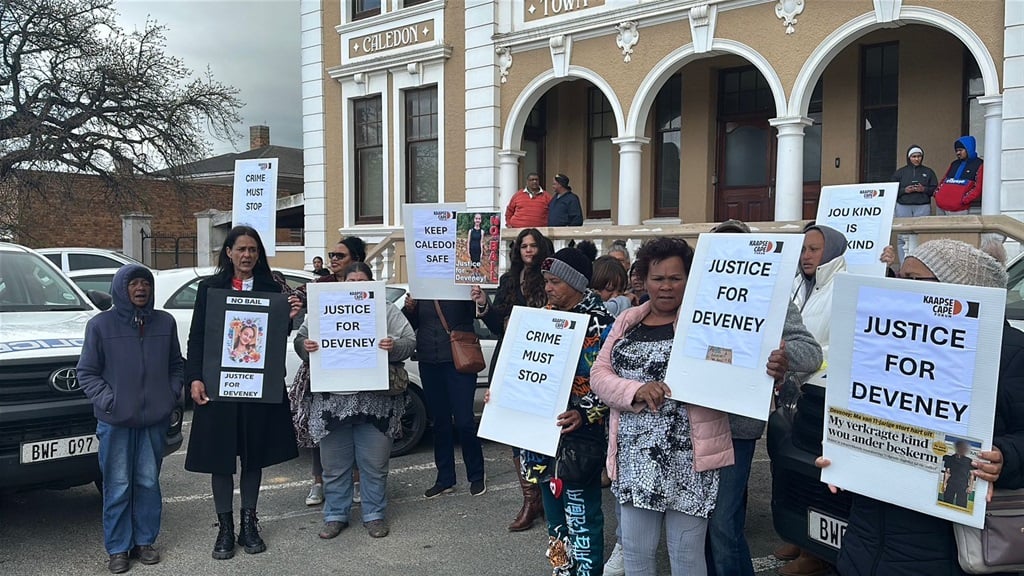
746,171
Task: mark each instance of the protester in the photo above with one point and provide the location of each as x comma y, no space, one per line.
564,209
133,390
586,247
522,285
318,267
884,538
820,260
449,393
261,434
728,551
962,183
359,427
528,207
620,252
609,282
637,287
348,250
917,184
663,456
574,517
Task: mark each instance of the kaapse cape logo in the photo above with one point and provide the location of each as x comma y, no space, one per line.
766,246
443,215
944,307
360,295
869,194
266,165
563,323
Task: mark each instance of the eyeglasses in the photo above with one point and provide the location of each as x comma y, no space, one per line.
337,255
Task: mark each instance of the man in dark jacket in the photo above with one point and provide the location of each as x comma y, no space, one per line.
131,369
962,183
914,196
564,209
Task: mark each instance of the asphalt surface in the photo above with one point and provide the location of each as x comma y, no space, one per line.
60,532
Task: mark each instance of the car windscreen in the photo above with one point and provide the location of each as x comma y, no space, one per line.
29,284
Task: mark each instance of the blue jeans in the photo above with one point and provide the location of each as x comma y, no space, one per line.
578,513
727,552
684,537
450,396
362,444
130,461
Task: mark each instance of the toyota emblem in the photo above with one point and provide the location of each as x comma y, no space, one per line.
64,380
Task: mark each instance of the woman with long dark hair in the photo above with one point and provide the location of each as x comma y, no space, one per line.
259,434
522,285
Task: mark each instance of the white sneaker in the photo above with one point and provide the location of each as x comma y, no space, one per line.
615,565
316,495
356,496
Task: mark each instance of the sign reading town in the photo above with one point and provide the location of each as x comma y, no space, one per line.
538,9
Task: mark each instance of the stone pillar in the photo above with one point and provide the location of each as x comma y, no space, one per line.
789,167
992,178
209,237
483,106
630,156
136,228
509,160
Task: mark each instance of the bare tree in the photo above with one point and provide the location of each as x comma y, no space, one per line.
80,95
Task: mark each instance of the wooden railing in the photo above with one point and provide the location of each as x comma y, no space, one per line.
387,259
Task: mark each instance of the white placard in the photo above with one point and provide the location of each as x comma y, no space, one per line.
430,237
863,213
348,320
912,379
241,385
731,319
533,378
254,200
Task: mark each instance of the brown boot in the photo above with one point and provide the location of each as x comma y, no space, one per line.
532,507
786,552
806,565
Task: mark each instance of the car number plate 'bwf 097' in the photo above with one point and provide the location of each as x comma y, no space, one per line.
825,529
32,452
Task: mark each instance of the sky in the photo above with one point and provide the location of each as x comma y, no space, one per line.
252,45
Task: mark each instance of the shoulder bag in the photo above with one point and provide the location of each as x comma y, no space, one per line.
999,546
466,353
398,379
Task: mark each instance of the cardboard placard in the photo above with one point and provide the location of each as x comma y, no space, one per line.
863,213
731,320
348,320
477,248
430,238
254,199
912,380
533,378
246,339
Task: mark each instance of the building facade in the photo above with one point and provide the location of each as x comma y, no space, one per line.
658,110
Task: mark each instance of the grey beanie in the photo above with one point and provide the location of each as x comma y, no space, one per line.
956,262
571,266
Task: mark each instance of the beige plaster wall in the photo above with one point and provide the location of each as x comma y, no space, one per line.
334,169
454,106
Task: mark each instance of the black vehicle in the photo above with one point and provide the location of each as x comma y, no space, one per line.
47,428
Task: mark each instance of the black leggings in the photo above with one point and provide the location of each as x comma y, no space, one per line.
224,487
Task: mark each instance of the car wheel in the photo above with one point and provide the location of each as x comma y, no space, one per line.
414,423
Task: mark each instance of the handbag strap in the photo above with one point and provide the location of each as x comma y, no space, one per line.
440,314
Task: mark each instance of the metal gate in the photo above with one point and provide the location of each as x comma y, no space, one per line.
169,251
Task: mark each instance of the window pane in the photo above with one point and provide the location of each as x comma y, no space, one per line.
422,163
669,104
602,156
812,153
667,179
879,144
370,173
746,159
87,261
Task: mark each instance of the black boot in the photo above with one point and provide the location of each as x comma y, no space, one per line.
224,547
249,535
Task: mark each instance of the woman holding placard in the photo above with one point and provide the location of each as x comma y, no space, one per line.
883,538
223,432
522,285
359,427
348,250
663,456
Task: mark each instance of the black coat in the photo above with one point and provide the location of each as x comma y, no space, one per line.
887,540
433,345
261,434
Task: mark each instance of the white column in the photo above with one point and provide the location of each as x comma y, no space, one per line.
992,177
509,177
483,105
789,167
630,148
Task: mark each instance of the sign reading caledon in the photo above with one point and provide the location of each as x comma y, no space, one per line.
400,37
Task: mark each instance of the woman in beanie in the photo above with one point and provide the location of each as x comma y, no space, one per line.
663,455
883,538
522,285
571,491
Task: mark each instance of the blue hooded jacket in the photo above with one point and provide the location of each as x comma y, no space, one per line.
131,366
965,169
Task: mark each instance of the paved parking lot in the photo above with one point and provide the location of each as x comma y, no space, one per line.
59,532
